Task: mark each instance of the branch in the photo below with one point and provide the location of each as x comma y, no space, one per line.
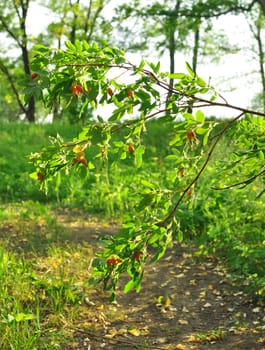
6,72
245,182
197,176
208,103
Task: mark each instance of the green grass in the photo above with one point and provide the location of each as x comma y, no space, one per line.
43,278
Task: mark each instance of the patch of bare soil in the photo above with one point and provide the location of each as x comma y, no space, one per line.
186,303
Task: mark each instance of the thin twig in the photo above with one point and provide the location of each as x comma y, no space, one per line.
245,182
197,176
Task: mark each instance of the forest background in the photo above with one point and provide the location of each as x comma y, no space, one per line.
169,144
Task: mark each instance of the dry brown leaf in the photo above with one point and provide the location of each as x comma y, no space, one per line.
193,282
207,305
111,333
184,309
181,347
261,341
193,339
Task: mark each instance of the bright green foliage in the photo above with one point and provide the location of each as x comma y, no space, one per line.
137,96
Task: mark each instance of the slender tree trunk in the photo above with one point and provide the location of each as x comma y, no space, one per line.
261,64
172,50
173,46
262,5
195,55
196,49
257,34
30,109
74,25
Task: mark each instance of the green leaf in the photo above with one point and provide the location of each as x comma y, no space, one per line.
24,317
190,70
129,286
139,155
201,82
199,116
177,75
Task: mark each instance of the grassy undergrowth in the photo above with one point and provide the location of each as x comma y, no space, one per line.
43,276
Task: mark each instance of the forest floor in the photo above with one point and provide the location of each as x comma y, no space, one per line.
186,302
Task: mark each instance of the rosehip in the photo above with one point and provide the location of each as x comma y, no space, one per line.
113,261
181,172
83,161
130,93
34,75
77,89
80,159
189,193
131,148
40,176
137,255
191,135
110,91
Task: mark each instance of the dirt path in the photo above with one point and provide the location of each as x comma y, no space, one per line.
186,303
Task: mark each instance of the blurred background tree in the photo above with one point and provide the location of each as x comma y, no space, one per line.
161,30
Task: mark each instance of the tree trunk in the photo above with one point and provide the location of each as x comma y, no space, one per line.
30,112
196,49
30,109
261,64
172,47
262,5
195,55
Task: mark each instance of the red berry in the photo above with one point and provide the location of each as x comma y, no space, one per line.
34,75
40,176
110,91
77,89
137,255
189,193
181,172
131,148
191,135
80,159
113,261
83,161
130,93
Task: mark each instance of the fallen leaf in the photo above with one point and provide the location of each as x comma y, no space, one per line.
181,347
193,282
261,341
183,322
256,310
184,309
207,305
134,331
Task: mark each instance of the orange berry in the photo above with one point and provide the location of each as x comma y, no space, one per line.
189,193
137,255
112,261
80,159
40,176
34,75
130,93
77,89
191,135
110,91
131,148
181,172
